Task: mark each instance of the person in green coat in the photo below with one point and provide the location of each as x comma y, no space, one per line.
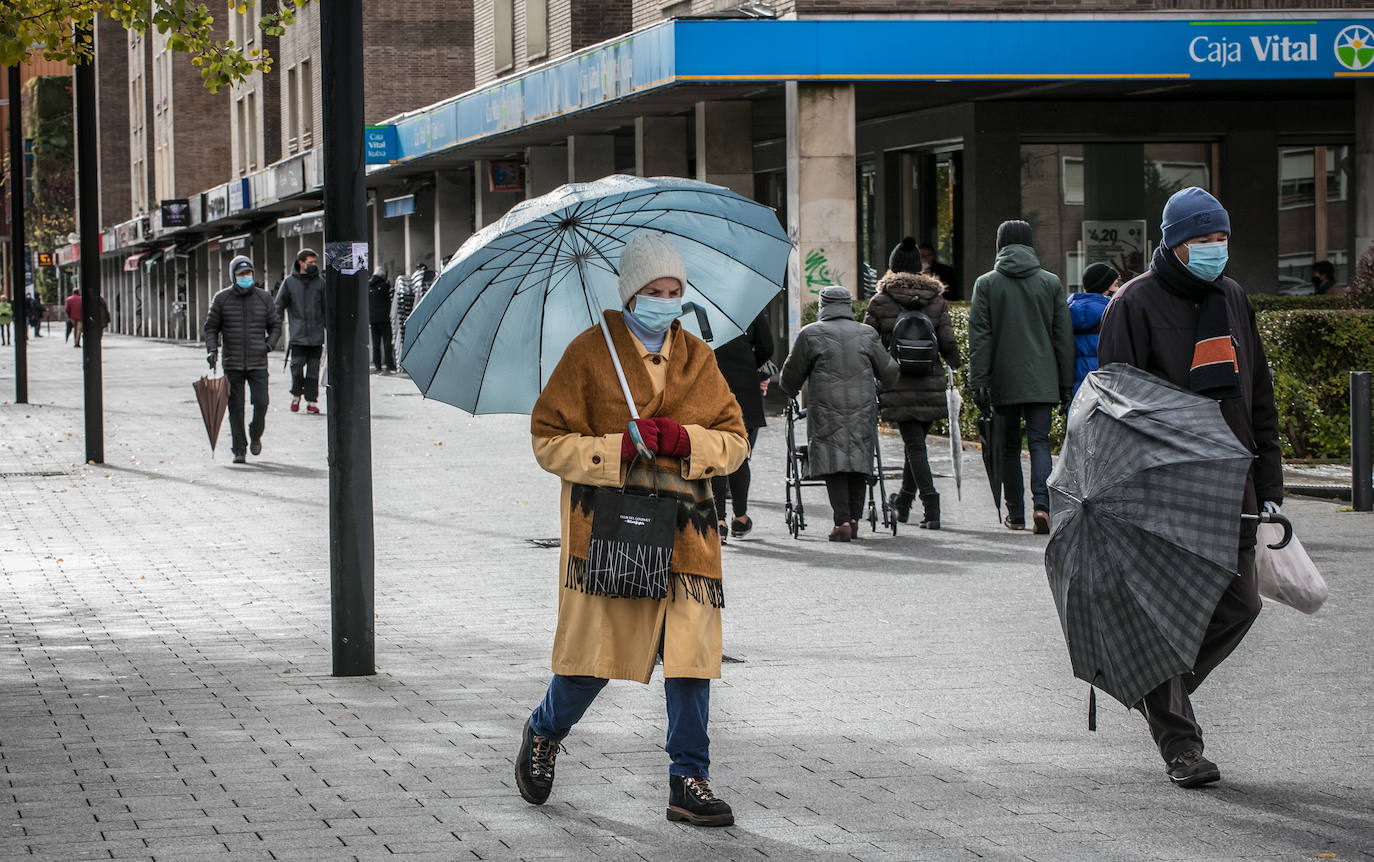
1020,342
6,318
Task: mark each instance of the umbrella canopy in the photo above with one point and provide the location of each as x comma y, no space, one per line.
990,431
955,402
1146,506
212,393
491,329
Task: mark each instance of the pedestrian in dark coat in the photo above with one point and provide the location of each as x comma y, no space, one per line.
35,309
1020,345
840,357
301,300
739,360
243,325
1185,322
379,321
914,401
1085,310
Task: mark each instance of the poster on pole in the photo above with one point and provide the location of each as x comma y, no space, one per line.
1119,243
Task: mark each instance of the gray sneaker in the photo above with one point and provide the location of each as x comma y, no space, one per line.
1191,769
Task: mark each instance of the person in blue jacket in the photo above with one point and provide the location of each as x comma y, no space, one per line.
1085,310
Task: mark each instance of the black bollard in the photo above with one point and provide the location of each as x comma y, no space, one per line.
1361,491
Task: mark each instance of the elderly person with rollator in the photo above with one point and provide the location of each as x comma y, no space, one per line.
841,357
1185,322
693,429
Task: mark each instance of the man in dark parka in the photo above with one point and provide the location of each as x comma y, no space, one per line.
1187,323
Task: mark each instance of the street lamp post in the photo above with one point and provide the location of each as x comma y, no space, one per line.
88,226
19,250
351,544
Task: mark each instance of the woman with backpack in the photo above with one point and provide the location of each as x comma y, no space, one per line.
912,319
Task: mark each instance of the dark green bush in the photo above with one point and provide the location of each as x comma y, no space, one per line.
1274,302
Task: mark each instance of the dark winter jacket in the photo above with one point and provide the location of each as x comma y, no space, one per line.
1085,310
378,300
245,325
1152,328
302,300
739,361
840,357
1020,341
913,397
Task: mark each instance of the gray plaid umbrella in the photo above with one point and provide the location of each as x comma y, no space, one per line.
1146,505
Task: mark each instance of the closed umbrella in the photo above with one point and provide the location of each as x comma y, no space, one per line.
212,393
1146,506
489,332
990,430
955,402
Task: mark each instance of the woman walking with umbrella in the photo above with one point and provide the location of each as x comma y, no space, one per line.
693,432
840,356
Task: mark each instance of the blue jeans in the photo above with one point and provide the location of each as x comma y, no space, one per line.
689,706
1037,417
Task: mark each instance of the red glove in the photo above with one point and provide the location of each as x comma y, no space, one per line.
672,438
648,429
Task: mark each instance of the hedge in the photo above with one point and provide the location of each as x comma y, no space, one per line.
1311,353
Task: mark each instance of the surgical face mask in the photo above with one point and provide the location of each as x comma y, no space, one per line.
655,314
1206,260
243,282
312,271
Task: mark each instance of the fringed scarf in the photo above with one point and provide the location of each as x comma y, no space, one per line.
1214,371
584,397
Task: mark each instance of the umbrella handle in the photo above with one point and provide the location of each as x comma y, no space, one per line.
1274,518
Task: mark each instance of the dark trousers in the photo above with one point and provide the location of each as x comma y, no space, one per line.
689,707
305,371
916,467
1037,418
383,354
4,333
257,388
736,485
846,492
1168,708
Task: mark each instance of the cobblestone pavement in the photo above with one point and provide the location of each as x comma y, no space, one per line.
165,688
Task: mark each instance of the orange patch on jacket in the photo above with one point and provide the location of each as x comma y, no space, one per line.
1215,351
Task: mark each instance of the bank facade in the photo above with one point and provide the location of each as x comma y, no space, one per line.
860,129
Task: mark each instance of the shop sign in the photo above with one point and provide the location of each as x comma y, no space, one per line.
240,195
381,145
504,176
290,178
1119,243
398,206
176,213
217,203
45,258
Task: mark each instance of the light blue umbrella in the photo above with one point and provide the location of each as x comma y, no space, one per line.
491,329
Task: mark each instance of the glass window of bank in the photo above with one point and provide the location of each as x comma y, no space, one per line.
1314,214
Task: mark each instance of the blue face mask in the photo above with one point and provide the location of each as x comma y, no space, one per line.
243,282
1207,260
655,314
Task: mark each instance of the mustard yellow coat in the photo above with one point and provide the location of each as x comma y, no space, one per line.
616,638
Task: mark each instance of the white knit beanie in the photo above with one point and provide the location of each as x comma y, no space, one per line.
646,257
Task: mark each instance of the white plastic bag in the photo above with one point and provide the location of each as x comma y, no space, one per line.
1287,574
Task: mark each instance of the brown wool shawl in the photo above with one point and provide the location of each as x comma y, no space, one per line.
583,396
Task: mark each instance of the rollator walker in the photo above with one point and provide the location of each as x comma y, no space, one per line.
795,511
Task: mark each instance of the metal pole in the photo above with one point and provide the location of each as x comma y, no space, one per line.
88,226
1361,492
351,547
19,250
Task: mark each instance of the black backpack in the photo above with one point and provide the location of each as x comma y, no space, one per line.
914,345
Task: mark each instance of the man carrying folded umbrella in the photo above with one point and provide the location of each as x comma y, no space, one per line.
1185,322
243,324
695,432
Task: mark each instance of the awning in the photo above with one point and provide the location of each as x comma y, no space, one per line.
300,225
399,206
131,262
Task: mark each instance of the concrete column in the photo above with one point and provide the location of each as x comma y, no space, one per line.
821,207
453,197
1249,176
546,168
1364,169
489,205
590,157
661,146
725,136
991,194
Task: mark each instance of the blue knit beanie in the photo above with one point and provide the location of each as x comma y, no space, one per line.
1192,212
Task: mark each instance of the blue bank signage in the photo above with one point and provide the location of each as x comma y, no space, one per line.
381,145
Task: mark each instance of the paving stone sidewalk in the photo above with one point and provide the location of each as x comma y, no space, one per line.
165,689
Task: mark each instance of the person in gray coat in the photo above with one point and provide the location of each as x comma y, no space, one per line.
840,357
243,325
301,298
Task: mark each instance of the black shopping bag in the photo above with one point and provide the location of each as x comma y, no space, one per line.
631,547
